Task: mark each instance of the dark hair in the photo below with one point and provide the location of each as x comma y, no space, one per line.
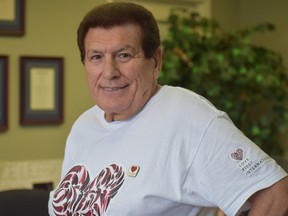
119,13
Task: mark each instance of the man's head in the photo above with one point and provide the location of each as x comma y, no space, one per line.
120,50
119,13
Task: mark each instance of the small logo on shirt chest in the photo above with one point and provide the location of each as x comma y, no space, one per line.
133,171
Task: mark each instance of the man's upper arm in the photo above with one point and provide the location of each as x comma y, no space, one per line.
271,201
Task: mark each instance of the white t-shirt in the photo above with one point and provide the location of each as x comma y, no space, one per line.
178,156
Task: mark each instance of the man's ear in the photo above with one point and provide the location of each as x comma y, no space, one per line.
158,63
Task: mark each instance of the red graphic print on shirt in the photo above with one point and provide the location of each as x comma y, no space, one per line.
76,195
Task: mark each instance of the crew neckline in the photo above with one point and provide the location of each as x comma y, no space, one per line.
118,124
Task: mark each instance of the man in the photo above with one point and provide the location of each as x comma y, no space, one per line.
151,150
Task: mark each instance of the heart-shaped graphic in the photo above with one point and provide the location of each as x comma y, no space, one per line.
238,155
133,168
76,195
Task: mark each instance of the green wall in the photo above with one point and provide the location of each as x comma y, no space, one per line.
50,31
242,13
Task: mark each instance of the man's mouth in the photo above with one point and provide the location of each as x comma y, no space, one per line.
114,88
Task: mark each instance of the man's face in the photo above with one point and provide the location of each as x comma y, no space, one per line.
120,78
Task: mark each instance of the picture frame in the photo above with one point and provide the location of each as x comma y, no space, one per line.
41,90
12,17
3,93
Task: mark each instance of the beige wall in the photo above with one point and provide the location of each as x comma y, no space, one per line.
51,31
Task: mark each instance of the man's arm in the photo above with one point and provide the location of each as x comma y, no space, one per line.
271,201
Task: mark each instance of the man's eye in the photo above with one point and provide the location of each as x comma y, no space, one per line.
124,55
96,57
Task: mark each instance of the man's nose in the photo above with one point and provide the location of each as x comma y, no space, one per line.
111,70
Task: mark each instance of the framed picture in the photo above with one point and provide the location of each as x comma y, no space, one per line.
41,90
3,93
12,15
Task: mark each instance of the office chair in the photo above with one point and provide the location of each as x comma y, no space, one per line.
24,202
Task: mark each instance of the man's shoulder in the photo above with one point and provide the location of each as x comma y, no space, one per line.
188,102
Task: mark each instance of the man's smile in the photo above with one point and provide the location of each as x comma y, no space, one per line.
114,88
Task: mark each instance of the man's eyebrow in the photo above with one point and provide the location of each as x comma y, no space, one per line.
127,47
93,51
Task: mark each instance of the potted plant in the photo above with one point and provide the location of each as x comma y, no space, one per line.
248,82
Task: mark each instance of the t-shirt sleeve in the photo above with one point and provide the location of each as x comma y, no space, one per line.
229,168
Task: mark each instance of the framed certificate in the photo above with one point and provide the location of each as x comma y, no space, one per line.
41,90
12,17
3,93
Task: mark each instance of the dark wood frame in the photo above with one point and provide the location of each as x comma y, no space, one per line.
3,93
17,26
30,116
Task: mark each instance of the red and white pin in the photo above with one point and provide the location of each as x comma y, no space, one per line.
133,171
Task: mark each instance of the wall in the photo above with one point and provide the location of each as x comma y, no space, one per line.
256,11
242,13
25,174
50,31
233,14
